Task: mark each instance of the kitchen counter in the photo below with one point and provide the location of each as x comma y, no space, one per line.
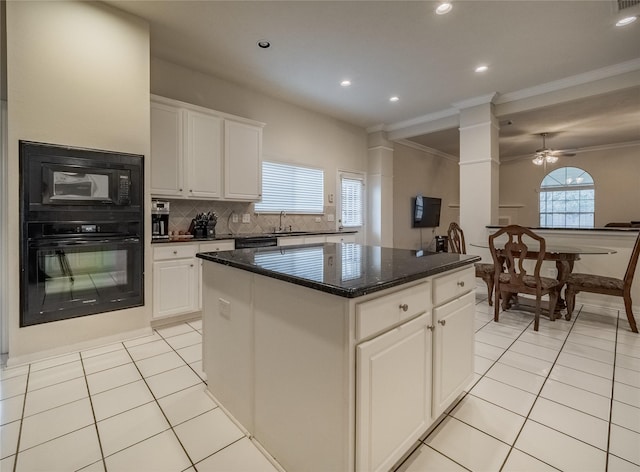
249,235
349,271
301,343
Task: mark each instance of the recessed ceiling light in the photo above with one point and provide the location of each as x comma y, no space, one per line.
345,83
394,99
264,44
482,68
444,8
626,21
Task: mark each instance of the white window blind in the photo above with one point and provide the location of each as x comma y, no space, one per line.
291,188
352,199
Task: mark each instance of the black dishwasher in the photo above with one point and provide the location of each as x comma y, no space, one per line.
258,241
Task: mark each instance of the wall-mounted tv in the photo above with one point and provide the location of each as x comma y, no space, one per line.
426,212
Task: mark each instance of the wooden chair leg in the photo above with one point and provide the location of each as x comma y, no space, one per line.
627,307
570,296
496,306
489,282
536,319
553,301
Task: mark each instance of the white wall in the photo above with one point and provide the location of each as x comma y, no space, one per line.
78,74
416,171
616,173
292,134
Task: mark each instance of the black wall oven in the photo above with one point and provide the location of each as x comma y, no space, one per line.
82,232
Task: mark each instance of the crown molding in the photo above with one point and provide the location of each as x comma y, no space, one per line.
572,81
446,113
420,147
475,101
375,128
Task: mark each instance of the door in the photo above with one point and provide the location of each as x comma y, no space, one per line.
166,150
242,161
454,347
393,393
204,150
175,287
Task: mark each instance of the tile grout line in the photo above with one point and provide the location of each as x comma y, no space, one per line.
613,383
182,358
93,413
24,405
161,410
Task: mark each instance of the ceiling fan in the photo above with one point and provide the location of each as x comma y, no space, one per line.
545,155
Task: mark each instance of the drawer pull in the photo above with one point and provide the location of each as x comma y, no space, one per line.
175,253
404,307
430,327
461,283
442,322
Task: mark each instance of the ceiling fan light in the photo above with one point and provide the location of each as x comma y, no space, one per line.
551,159
538,160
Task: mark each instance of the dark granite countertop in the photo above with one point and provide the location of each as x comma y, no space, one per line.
346,270
602,228
219,237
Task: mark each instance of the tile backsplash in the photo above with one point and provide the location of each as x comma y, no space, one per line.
183,211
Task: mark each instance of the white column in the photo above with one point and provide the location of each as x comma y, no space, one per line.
380,191
479,170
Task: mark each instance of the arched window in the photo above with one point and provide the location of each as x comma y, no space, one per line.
567,197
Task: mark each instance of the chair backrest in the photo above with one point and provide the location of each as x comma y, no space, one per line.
633,262
515,252
456,239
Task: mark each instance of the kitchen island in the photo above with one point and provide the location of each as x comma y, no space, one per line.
337,357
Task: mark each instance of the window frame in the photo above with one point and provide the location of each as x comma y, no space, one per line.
308,211
351,175
567,187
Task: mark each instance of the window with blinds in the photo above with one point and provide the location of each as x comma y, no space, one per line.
352,200
291,188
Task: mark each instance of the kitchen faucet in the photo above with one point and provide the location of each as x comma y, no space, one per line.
282,213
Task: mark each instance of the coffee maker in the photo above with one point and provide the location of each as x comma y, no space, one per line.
159,219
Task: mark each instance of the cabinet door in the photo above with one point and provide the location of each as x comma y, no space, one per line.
242,161
204,150
166,150
453,353
290,241
175,287
393,393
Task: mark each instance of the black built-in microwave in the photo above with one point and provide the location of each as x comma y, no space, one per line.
60,179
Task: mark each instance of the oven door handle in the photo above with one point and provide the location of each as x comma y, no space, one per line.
83,242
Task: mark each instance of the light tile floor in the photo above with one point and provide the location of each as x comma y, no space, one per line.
564,398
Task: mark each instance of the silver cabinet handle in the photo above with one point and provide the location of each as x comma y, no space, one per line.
430,327
461,283
442,322
404,307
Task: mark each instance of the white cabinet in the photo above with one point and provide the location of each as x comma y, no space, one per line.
176,276
166,150
393,393
454,339
242,161
204,154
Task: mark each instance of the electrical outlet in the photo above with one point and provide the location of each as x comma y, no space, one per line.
225,308
246,218
234,218
330,217
318,219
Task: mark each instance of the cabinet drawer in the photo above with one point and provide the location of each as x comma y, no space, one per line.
222,245
375,315
181,251
453,285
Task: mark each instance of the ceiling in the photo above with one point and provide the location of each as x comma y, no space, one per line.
403,48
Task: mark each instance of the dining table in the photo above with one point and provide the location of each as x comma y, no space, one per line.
563,256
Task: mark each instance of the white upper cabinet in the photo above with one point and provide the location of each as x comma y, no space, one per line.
242,161
166,150
204,154
203,162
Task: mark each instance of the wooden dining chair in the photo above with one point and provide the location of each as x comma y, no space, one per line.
605,285
457,246
516,279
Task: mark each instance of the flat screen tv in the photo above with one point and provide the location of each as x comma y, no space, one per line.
426,212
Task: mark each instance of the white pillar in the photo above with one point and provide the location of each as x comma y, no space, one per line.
380,191
479,170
